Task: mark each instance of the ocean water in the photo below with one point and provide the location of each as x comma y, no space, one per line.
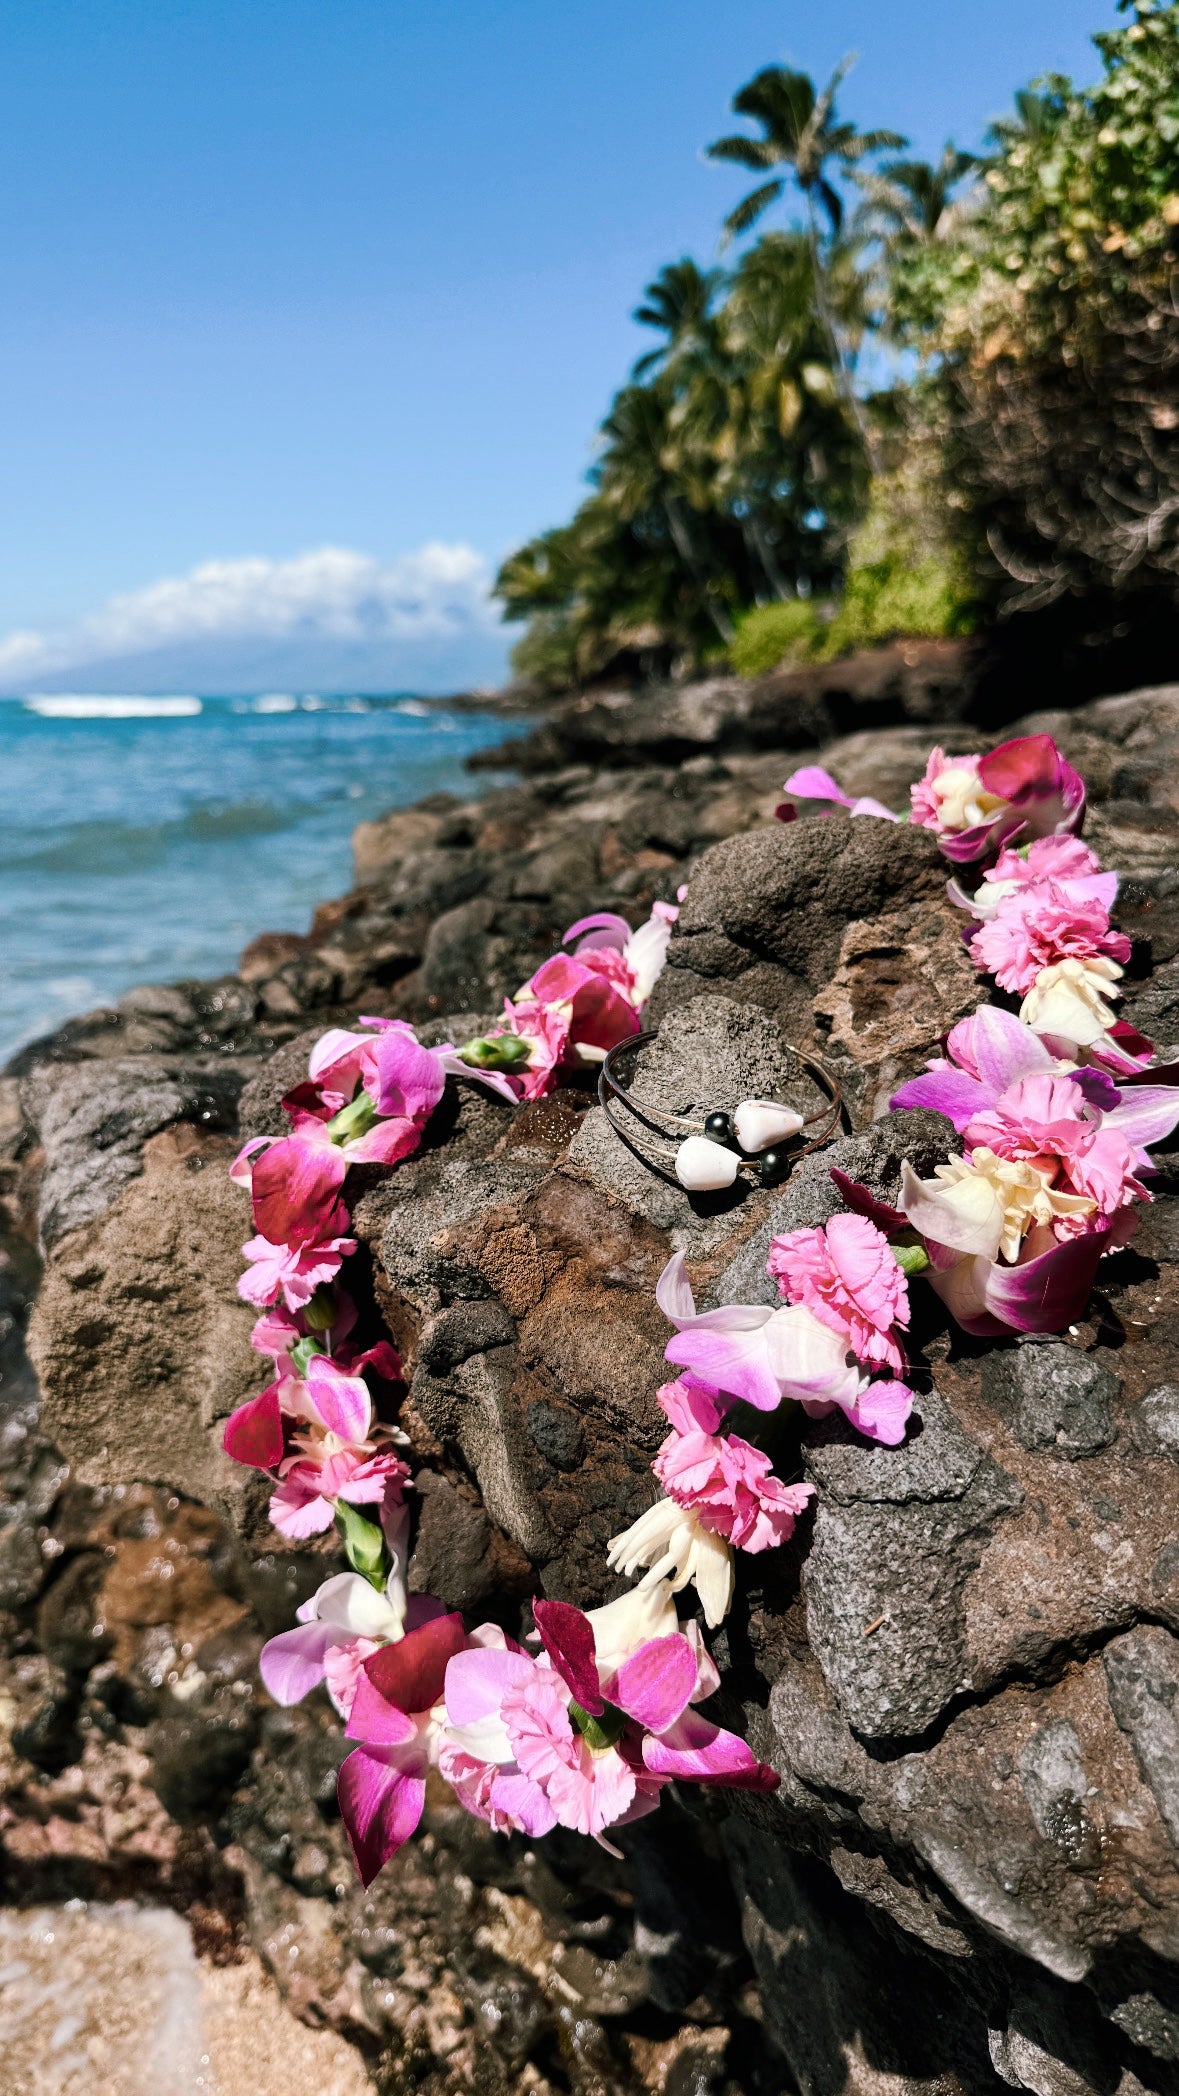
143,840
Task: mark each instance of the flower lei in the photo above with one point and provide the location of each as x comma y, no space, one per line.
585,1725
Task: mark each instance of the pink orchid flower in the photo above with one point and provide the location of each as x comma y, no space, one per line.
599,1014
725,1481
294,1186
572,1011
346,1619
639,955
1045,1292
317,1435
812,783
318,1473
1024,788
279,1329
547,1034
992,1050
846,1275
586,1735
394,1716
764,1355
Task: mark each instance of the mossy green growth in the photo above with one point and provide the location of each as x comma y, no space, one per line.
774,633
896,598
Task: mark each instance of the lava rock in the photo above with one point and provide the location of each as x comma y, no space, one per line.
897,1535
1059,1399
557,1432
1156,1421
1142,1672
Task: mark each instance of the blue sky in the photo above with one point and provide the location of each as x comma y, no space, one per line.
286,275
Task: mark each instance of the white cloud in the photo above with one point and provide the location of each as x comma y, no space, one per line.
331,596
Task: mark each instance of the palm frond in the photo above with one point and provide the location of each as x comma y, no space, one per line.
751,207
747,152
832,202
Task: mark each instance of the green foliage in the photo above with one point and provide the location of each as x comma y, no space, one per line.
1079,175
1048,327
895,598
774,633
729,476
747,498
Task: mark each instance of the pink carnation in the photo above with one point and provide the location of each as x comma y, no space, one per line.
726,1482
1045,1120
1038,925
304,1501
1048,859
847,1277
292,1271
588,1791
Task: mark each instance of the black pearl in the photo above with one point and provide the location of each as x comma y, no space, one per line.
772,1167
719,1129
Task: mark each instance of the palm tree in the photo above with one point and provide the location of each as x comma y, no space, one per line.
1034,116
646,465
679,303
908,203
802,134
790,463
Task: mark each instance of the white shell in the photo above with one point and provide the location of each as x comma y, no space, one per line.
762,1122
702,1166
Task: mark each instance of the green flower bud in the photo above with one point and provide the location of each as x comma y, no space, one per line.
321,1312
352,1120
600,1732
912,1259
495,1051
364,1545
302,1351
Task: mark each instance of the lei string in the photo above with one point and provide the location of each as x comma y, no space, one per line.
584,1724
1054,1107
587,1731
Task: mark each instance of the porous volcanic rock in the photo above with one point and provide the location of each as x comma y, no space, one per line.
965,1665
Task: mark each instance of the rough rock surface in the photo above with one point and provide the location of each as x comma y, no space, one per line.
966,1664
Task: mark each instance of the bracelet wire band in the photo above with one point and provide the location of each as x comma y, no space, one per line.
660,1156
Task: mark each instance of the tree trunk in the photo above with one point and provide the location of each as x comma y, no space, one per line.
851,399
769,560
687,553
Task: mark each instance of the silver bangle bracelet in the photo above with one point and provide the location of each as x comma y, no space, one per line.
759,1137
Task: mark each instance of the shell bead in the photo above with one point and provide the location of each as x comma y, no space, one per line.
703,1166
761,1122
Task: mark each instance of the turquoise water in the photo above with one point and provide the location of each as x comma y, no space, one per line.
147,839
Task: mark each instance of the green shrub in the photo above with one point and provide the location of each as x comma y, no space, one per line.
894,598
774,633
546,653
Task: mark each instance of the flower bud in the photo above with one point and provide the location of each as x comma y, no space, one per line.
912,1259
495,1051
303,1350
320,1313
353,1120
364,1545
